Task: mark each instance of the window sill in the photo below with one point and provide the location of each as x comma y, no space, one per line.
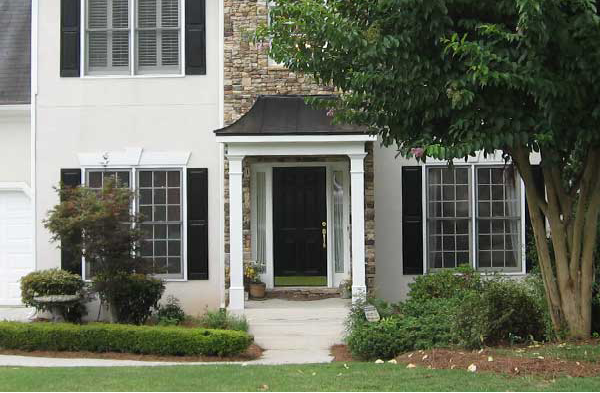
148,76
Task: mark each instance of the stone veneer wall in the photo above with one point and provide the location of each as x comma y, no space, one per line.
248,73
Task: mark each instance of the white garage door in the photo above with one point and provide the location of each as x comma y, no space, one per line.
16,244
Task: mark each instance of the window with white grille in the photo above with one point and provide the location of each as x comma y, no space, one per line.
153,46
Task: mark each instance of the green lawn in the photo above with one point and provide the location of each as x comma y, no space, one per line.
563,351
330,377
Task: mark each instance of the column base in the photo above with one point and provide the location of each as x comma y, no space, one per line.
236,298
359,293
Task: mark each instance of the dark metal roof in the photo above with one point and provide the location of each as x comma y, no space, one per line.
287,115
15,52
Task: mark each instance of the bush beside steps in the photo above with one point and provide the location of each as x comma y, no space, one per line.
99,337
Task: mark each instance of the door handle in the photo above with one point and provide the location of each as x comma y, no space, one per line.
324,232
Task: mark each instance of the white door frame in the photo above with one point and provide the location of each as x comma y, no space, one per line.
268,277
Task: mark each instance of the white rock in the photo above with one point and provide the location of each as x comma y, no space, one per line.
379,361
410,365
393,361
472,368
490,359
425,357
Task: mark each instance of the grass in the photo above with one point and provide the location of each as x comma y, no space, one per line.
563,351
301,281
328,377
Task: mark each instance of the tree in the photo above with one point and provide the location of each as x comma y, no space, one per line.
448,78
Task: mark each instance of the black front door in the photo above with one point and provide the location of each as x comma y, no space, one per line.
299,223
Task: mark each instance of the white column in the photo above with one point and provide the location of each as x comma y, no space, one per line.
357,184
236,246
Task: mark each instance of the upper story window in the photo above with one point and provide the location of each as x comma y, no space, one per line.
113,47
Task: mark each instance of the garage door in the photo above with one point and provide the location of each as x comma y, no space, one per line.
16,244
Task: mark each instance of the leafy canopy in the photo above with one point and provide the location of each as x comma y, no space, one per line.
453,76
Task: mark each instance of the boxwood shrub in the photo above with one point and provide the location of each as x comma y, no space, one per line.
99,337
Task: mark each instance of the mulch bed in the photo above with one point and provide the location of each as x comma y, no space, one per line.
452,359
254,352
461,360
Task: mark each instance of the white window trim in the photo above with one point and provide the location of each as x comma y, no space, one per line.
333,279
473,164
132,52
133,184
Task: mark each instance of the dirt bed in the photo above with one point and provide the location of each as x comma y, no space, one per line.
486,361
254,352
461,360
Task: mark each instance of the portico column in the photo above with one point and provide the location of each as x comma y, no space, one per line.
357,184
236,247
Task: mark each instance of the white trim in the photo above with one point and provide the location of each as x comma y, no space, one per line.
221,110
19,108
293,148
17,187
33,123
133,157
236,238
295,138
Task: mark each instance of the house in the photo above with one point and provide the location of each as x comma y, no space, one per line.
231,164
16,213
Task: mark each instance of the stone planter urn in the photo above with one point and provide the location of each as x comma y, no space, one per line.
257,290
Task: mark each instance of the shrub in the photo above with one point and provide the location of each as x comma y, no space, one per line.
221,319
170,313
97,337
504,310
445,284
131,297
54,282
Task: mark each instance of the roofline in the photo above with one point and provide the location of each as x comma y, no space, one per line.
279,138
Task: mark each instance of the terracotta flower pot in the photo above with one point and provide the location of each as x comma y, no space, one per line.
257,290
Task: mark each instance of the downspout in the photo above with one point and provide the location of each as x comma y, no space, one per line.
33,121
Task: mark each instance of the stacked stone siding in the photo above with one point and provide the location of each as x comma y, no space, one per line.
249,73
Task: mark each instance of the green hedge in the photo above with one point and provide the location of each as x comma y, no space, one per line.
98,337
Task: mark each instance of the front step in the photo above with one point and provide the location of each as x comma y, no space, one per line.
302,293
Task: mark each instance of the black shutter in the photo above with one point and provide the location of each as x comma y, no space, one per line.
69,260
195,37
412,220
197,224
538,178
70,27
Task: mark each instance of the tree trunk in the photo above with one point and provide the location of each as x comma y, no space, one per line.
572,216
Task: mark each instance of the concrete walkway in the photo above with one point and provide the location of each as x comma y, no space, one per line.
297,331
19,314
291,332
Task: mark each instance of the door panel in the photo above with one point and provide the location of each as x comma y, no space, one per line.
299,211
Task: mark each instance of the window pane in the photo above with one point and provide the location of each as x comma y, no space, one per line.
448,216
165,219
107,37
499,239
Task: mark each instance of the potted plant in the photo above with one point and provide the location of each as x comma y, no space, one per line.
252,281
346,289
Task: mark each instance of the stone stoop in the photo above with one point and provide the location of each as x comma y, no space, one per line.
297,332
302,293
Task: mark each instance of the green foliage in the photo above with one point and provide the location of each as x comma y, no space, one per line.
170,313
96,337
102,223
221,319
131,296
504,311
54,282
455,307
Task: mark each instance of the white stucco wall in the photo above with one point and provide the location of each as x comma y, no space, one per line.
15,160
391,284
109,114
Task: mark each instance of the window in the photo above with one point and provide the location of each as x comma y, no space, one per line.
473,214
156,38
261,222
159,202
498,219
338,221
